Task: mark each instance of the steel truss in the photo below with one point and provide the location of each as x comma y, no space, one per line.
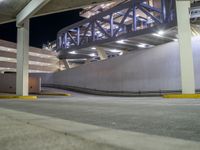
128,17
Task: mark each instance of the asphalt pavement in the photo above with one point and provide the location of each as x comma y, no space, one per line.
176,118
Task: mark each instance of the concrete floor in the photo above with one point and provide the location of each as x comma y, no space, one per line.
177,119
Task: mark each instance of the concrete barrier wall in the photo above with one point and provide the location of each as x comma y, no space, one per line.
8,84
155,69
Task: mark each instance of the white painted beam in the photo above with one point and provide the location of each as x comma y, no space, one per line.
30,10
186,55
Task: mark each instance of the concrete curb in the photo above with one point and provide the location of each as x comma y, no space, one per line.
54,94
18,97
183,96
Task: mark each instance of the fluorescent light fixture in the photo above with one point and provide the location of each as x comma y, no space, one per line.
142,45
155,34
73,52
115,51
92,55
161,32
121,53
121,42
93,48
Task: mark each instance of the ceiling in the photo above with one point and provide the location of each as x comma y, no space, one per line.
10,8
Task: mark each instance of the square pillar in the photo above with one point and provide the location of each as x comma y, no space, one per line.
101,53
185,45
22,59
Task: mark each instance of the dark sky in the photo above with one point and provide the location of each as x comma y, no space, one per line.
42,29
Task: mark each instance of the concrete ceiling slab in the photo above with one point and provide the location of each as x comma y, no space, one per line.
10,8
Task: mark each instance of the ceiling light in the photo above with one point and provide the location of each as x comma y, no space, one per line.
155,34
175,40
121,42
73,52
115,51
161,32
142,45
93,48
92,55
121,53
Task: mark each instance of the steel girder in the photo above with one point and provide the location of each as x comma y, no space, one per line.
128,17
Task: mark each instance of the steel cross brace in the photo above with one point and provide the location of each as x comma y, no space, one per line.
114,22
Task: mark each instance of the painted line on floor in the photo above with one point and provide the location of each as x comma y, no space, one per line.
55,94
183,96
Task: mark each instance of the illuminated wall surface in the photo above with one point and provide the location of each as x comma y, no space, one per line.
152,69
41,60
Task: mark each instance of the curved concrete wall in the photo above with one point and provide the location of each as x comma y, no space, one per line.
155,69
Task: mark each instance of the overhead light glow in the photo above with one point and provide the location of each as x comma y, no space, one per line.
115,51
155,34
73,52
175,40
121,53
93,48
92,55
142,45
161,32
121,42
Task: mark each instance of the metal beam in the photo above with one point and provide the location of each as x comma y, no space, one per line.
106,25
30,10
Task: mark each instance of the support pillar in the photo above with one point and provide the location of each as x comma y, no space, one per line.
22,23
101,53
66,63
22,59
186,56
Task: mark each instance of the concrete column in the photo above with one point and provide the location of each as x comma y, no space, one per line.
101,53
66,63
186,56
87,61
22,59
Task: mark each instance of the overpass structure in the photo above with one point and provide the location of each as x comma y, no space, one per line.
120,23
131,21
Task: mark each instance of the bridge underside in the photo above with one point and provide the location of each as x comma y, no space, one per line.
123,24
143,39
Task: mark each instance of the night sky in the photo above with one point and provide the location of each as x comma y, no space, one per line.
42,29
